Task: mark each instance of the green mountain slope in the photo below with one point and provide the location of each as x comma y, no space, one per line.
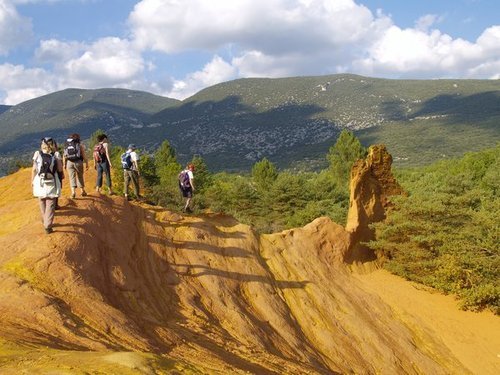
4,108
75,110
291,121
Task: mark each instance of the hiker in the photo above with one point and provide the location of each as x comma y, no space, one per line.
53,146
73,159
131,170
186,185
102,162
47,166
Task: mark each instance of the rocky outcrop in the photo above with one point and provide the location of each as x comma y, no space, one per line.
371,185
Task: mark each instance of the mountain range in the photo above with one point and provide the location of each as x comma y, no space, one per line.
291,121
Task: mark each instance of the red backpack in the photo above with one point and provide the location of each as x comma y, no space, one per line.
99,153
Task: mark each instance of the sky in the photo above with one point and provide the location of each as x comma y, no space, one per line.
175,48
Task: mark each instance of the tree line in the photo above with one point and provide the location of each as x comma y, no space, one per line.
268,199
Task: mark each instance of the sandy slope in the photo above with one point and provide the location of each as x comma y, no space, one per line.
474,338
158,292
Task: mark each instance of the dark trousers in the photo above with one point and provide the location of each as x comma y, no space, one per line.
103,168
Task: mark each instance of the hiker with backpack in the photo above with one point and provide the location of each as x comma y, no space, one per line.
186,185
73,159
102,162
53,146
130,170
47,167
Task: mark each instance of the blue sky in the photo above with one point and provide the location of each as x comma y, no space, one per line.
177,47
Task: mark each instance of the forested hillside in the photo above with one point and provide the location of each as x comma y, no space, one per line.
73,111
294,120
290,121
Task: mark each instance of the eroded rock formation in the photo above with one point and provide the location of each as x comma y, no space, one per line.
371,185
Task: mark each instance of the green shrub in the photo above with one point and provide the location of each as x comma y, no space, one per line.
446,232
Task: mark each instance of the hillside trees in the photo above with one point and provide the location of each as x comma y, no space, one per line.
203,178
446,233
166,164
268,199
116,168
165,191
263,174
271,200
342,156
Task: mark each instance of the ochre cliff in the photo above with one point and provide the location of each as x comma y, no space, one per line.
371,186
130,288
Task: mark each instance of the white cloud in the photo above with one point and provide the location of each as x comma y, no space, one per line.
489,70
431,54
14,29
306,37
20,84
489,41
425,22
214,72
56,51
107,62
270,26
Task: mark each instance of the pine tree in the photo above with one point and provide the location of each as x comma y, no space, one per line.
202,176
166,164
342,156
264,173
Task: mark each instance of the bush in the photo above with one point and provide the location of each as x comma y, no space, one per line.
446,232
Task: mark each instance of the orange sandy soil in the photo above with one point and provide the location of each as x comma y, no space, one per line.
129,288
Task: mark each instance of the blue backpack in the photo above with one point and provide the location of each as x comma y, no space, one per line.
126,160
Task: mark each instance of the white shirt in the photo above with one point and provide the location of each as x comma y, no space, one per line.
135,158
46,189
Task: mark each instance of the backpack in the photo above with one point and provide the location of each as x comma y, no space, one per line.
184,182
126,160
72,150
47,167
99,153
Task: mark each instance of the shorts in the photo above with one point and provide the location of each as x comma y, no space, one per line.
187,192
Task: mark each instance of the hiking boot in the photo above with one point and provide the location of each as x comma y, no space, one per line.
49,230
84,193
